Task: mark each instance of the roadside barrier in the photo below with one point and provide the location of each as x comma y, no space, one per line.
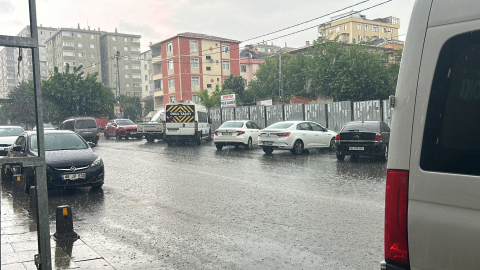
64,224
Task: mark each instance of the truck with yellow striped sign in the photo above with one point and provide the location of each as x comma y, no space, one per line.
186,121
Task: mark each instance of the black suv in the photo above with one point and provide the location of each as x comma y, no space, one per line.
84,126
363,138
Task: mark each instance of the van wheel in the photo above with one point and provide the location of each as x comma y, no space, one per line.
268,150
105,134
340,156
199,139
297,147
149,138
219,146
249,144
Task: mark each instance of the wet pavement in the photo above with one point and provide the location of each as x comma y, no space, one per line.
193,207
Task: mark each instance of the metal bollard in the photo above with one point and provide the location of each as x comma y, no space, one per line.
17,184
33,197
64,224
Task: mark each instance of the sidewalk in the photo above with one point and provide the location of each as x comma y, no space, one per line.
19,241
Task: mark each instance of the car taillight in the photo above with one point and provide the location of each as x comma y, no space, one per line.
285,134
378,137
98,134
215,133
240,132
260,134
337,137
396,209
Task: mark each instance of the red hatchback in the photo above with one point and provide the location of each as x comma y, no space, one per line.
121,128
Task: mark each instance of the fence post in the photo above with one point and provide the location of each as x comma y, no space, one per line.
326,115
352,114
381,109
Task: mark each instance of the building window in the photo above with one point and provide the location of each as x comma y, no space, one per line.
92,46
114,47
337,29
134,39
137,94
171,83
67,34
79,35
127,84
69,53
193,45
360,38
243,68
225,48
170,47
193,63
125,48
135,57
92,55
367,27
195,98
137,76
126,66
218,79
146,77
375,28
114,38
195,81
92,36
329,31
127,76
209,86
345,27
209,68
80,45
125,39
146,88
137,85
226,65
172,99
384,30
359,26
92,64
135,49
170,64
135,66
68,43
145,67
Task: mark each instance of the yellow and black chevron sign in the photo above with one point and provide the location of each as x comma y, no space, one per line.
180,113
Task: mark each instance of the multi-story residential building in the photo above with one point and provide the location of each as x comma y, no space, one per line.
7,71
23,70
354,27
96,51
128,49
187,63
248,66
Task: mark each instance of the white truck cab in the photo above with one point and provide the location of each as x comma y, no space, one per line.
186,121
432,205
153,129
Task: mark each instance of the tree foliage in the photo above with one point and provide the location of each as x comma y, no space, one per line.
132,108
148,106
22,109
74,94
345,72
231,85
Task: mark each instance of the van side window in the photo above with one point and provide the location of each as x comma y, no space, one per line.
452,125
68,125
202,117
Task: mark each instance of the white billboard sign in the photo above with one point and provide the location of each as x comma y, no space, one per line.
266,102
227,100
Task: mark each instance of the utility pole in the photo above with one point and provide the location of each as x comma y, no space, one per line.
117,76
280,75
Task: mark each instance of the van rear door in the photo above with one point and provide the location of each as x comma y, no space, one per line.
444,183
180,119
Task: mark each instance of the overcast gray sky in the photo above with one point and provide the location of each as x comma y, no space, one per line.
157,20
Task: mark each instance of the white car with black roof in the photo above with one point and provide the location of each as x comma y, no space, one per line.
237,133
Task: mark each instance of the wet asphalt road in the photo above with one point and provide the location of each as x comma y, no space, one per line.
193,207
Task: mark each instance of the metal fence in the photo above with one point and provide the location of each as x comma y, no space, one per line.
332,116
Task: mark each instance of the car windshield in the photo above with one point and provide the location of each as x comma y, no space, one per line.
280,126
6,132
359,126
59,141
85,123
157,116
125,122
232,125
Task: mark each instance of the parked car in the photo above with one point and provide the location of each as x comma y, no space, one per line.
238,132
45,126
363,138
121,128
295,136
8,135
84,126
70,160
432,206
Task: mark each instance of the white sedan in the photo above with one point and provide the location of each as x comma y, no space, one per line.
240,132
295,136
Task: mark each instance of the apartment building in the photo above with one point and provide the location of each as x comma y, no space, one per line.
354,27
97,51
187,63
13,71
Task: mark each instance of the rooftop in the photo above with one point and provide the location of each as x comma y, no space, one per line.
198,36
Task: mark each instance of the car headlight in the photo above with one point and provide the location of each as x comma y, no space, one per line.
97,162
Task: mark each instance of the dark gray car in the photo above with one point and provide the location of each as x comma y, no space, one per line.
84,126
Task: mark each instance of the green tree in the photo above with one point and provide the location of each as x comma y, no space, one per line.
132,108
213,100
75,94
22,108
148,106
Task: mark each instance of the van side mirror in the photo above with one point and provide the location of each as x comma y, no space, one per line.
17,148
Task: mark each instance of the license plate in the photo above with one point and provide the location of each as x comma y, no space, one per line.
226,133
356,148
267,143
74,176
87,132
133,133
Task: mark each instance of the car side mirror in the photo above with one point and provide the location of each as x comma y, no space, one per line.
91,144
17,148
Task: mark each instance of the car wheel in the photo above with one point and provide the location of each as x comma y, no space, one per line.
332,144
249,144
98,186
354,158
150,138
340,156
199,139
105,134
169,142
297,147
219,146
268,150
117,136
384,155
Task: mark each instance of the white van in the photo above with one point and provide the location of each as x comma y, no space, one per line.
186,121
432,205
